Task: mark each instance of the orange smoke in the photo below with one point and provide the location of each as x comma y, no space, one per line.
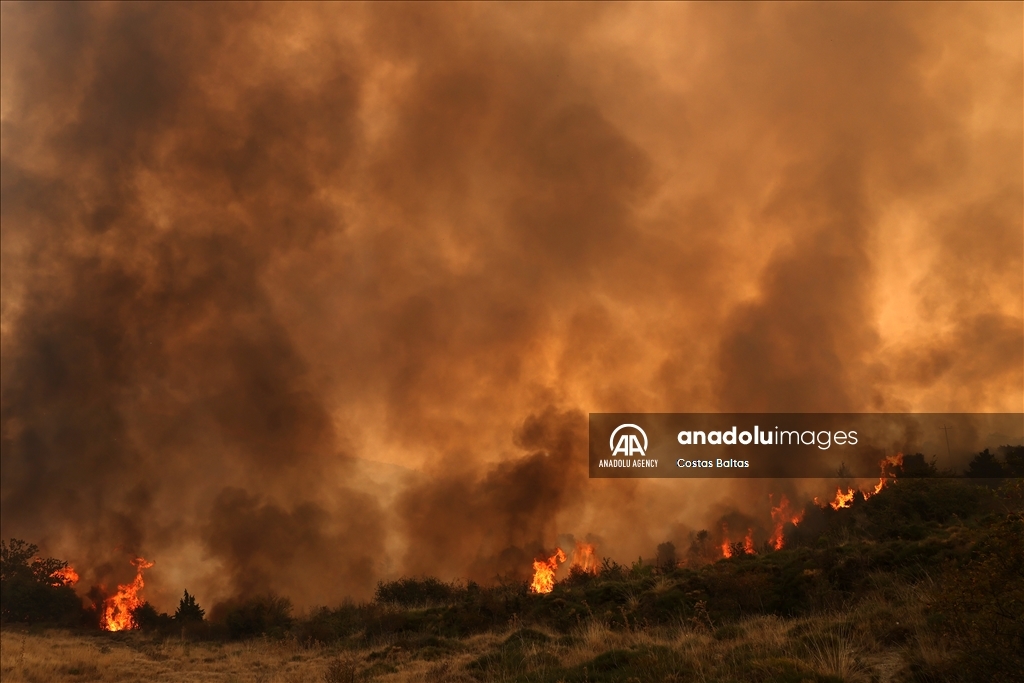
117,609
584,558
781,514
544,572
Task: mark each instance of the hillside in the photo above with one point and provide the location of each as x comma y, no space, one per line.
923,582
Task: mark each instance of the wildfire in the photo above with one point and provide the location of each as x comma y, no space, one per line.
543,572
66,576
748,542
117,609
726,548
782,514
843,500
890,464
583,558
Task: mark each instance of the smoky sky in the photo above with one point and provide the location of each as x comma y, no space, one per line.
298,297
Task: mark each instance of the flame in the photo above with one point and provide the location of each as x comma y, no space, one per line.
889,465
583,558
117,609
843,500
748,542
782,514
726,546
66,576
544,572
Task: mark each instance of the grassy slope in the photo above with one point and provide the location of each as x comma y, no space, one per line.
922,582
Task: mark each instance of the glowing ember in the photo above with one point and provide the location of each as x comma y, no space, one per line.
117,609
782,514
66,576
544,572
583,558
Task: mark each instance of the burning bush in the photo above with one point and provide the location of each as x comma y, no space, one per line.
34,589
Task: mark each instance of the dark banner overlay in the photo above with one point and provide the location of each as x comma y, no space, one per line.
788,445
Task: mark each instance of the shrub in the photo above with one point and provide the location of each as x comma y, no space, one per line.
261,615
147,618
416,592
984,465
980,601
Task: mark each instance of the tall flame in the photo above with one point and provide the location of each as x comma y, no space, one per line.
726,548
584,558
889,465
544,572
781,514
117,609
748,542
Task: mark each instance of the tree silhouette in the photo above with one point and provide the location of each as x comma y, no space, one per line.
985,466
189,609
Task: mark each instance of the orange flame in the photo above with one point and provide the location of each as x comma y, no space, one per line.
66,576
726,547
748,542
583,558
782,514
843,500
544,572
117,609
889,465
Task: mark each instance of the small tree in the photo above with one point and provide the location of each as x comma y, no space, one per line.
189,609
985,465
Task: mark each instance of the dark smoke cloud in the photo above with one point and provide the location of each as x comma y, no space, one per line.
299,297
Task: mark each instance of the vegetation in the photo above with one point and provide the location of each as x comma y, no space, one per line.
34,589
923,581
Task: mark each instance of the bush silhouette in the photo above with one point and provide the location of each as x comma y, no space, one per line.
416,592
1014,460
261,615
147,618
984,465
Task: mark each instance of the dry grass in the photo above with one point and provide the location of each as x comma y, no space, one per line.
825,644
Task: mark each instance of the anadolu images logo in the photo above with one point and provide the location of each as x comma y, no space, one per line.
628,444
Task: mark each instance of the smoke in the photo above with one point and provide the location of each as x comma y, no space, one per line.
302,297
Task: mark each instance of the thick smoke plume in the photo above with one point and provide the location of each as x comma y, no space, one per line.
298,297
